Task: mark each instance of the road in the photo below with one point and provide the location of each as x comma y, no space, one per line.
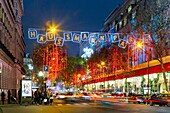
84,108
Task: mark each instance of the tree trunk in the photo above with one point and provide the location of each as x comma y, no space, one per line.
164,76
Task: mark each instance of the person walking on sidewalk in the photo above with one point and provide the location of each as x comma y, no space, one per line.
9,96
3,97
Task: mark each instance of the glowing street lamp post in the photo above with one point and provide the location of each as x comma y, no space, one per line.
139,46
103,64
41,74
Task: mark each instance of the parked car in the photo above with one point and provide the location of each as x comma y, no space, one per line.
156,100
136,98
120,95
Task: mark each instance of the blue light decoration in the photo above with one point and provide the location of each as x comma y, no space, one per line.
41,38
87,52
93,38
133,22
67,36
112,30
102,44
122,43
32,33
102,37
59,41
50,36
114,37
84,36
76,38
144,28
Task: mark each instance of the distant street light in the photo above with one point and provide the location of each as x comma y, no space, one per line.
40,74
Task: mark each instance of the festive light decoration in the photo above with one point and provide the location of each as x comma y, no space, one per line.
92,37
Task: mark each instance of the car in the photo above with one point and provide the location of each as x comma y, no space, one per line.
135,98
156,100
60,96
120,95
85,96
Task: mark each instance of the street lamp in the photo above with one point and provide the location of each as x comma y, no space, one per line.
139,45
103,64
41,74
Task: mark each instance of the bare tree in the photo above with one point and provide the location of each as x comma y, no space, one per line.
154,18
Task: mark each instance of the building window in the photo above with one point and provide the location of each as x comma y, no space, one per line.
113,24
133,14
125,21
0,11
120,24
3,16
116,28
129,9
137,0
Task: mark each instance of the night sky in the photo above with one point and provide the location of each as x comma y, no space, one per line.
71,15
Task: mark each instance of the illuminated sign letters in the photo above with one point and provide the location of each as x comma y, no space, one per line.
85,36
41,38
76,38
59,41
102,37
32,34
122,43
130,39
94,38
114,37
50,36
67,36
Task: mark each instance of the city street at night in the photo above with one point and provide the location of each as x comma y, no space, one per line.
84,56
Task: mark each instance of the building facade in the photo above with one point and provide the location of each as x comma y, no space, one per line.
11,44
145,73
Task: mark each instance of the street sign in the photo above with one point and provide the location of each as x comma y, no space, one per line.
46,68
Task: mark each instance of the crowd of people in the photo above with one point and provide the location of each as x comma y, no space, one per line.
38,97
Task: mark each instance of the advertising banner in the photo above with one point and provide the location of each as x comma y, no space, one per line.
26,88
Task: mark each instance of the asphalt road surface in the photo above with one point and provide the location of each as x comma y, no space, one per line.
84,108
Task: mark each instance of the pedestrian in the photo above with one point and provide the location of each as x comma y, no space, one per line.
9,96
19,96
51,99
3,97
